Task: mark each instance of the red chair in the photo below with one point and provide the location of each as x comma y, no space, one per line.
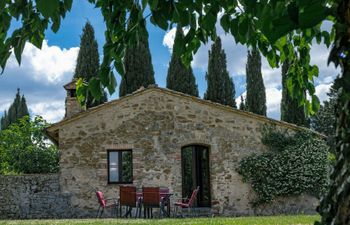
129,199
104,204
150,200
187,203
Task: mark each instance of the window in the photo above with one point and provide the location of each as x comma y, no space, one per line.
119,166
72,93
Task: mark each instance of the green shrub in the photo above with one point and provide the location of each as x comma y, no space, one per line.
25,149
294,165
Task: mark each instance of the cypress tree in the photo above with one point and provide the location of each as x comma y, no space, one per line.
138,65
23,109
324,121
291,111
179,77
256,96
242,104
4,121
88,62
220,88
17,110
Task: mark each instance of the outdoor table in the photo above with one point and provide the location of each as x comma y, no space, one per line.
164,200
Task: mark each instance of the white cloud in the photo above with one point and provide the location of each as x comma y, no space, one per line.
41,77
322,90
50,111
4,105
273,102
48,64
169,37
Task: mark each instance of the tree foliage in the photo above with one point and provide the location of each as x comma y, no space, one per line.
220,85
25,149
291,110
256,96
88,63
324,121
180,78
17,110
138,65
294,165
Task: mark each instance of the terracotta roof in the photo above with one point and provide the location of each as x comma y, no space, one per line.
52,131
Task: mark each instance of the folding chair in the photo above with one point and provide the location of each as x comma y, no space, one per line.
105,203
187,203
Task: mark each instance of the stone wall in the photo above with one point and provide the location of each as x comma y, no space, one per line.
156,124
33,196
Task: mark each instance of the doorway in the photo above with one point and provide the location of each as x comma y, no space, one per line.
195,172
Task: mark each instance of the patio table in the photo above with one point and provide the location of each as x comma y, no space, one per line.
164,200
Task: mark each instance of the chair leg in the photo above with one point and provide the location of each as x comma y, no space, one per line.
98,211
138,210
175,211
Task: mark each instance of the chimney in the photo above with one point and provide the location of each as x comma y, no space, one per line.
72,105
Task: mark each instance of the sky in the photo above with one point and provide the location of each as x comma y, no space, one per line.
43,73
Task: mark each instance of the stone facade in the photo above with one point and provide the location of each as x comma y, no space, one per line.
33,196
156,123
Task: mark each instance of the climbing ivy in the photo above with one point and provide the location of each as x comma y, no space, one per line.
294,164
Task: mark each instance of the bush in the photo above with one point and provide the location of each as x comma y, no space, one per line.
25,149
297,164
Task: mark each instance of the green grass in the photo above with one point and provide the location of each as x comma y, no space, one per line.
262,220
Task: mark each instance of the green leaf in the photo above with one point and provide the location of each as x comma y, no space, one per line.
104,75
56,24
18,49
312,13
153,4
315,103
81,91
144,4
293,12
119,66
225,22
37,39
68,4
243,28
112,83
326,38
209,21
158,19
95,88
47,7
271,58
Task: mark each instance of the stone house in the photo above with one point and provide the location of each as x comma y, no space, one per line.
160,137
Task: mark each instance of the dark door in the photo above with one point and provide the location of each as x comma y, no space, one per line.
195,172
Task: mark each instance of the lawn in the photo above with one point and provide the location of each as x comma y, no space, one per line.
275,220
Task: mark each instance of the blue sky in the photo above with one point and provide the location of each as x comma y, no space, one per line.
44,72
